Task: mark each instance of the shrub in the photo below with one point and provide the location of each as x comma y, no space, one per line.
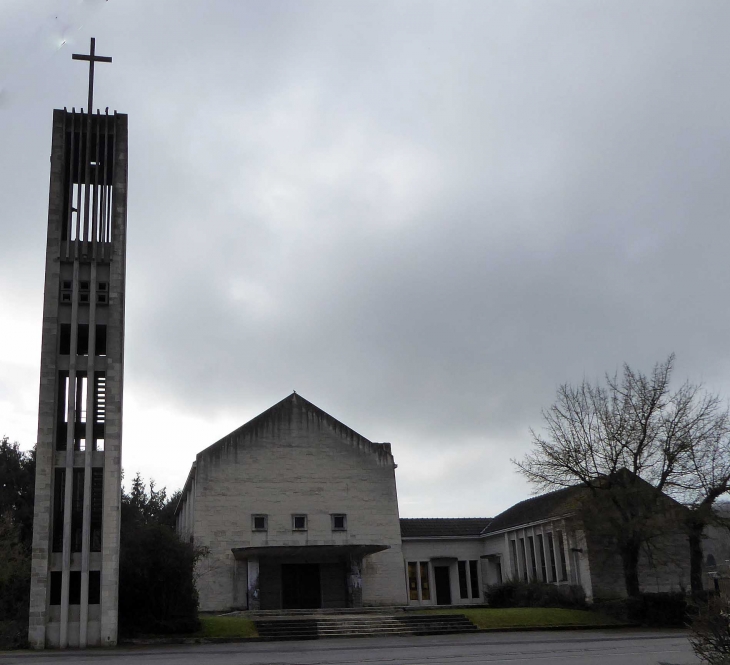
710,635
659,610
535,594
667,610
14,586
156,588
616,608
17,479
502,595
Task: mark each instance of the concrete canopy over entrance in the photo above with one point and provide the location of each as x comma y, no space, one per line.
308,552
304,577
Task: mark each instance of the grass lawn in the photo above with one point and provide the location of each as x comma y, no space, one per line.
226,626
521,617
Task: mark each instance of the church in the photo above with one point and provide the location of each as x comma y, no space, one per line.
298,511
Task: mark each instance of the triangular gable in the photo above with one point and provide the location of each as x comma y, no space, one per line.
285,411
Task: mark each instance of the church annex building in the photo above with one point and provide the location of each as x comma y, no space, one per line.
298,511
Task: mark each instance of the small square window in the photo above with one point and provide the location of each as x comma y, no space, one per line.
83,286
299,522
339,522
259,522
66,290
101,298
84,297
102,286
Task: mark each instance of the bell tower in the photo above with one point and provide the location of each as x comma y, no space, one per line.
75,565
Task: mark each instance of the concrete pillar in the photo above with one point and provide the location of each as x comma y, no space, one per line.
566,550
240,584
508,574
254,600
354,582
88,455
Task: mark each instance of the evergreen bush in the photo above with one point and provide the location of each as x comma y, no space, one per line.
156,590
535,594
658,610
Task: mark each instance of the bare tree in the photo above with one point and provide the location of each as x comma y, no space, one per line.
627,441
704,478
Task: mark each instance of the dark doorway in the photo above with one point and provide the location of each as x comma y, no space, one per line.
443,585
300,588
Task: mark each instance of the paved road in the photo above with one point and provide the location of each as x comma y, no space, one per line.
541,648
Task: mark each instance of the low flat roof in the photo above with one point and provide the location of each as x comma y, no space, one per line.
443,527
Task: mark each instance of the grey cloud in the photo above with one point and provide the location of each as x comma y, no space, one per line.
422,216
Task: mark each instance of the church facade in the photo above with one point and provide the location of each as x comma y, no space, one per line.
297,511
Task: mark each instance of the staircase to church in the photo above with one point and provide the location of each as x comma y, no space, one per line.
360,625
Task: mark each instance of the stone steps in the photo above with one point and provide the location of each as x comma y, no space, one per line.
336,611
285,628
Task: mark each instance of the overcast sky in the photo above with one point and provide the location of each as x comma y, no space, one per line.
421,216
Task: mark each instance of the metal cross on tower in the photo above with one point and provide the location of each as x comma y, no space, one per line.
92,58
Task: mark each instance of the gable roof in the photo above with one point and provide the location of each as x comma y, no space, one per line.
537,508
449,527
284,412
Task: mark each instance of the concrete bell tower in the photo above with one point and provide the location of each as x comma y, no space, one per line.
75,566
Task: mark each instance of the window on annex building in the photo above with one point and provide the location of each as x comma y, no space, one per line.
299,522
543,565
474,578
523,560
259,522
513,552
533,560
418,579
563,563
425,587
339,522
551,551
463,590
412,580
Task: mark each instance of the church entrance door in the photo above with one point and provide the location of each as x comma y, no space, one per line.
443,585
300,587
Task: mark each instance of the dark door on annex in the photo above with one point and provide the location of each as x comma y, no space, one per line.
443,585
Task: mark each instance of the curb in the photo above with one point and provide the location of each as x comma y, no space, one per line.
151,641
527,629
